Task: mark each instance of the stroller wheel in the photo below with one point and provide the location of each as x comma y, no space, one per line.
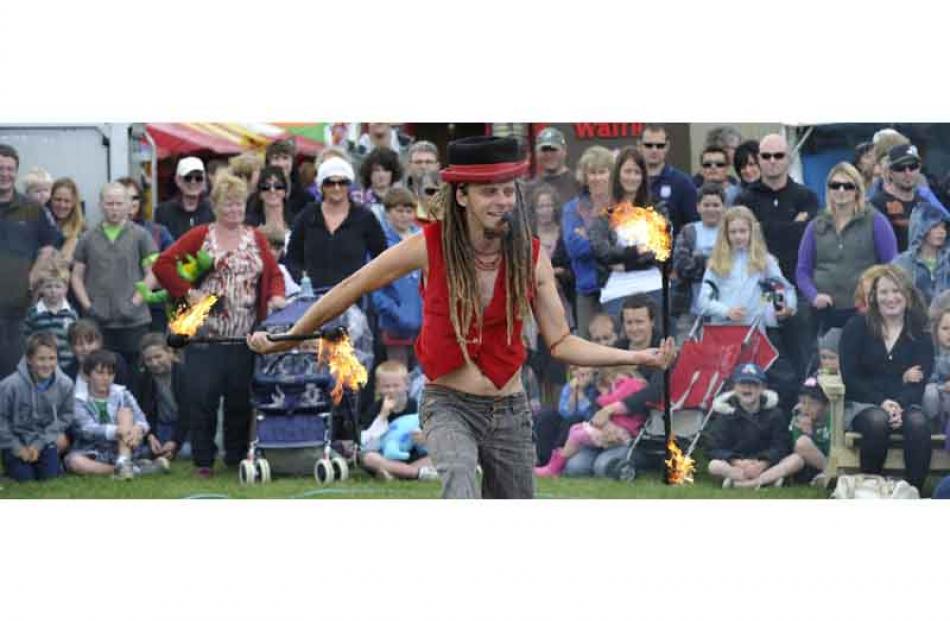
323,471
263,469
625,472
341,471
246,472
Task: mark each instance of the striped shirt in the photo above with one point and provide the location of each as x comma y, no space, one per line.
39,318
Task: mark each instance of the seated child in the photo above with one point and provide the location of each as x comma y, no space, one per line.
52,313
392,387
748,442
277,241
811,433
36,408
607,428
84,338
160,391
577,404
109,425
936,403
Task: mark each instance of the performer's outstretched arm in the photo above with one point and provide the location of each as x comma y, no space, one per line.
574,350
396,262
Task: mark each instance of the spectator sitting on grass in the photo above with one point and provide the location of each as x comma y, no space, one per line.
811,433
392,386
160,391
109,425
52,312
36,408
84,338
748,443
604,437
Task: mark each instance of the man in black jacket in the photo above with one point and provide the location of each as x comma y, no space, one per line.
783,208
190,208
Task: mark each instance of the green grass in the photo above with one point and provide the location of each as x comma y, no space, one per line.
180,483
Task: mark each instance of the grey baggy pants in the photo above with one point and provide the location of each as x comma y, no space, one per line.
464,430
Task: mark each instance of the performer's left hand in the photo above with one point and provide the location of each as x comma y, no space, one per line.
660,357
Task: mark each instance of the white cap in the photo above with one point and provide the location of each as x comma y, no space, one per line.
189,164
334,167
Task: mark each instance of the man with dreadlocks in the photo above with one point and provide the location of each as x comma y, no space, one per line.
483,274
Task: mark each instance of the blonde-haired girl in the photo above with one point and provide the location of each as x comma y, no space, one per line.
743,281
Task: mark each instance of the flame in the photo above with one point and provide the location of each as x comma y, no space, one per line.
679,468
344,366
188,319
642,226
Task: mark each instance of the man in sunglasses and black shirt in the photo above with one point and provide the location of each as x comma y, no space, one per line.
190,208
783,208
900,194
668,185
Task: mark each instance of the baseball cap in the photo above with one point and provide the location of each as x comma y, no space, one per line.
749,372
551,137
189,164
903,154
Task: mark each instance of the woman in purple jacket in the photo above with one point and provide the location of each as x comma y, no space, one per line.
839,244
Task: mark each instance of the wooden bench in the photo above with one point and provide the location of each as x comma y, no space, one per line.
844,454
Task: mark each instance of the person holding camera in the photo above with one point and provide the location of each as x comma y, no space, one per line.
840,243
743,282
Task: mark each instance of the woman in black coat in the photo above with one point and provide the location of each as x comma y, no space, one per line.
886,357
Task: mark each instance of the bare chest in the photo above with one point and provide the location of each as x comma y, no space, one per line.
486,286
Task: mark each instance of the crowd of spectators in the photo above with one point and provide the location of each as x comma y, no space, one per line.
91,386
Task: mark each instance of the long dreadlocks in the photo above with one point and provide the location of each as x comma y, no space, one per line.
465,304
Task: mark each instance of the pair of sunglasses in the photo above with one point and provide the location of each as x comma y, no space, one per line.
776,156
842,185
194,178
906,168
272,186
654,145
340,183
714,164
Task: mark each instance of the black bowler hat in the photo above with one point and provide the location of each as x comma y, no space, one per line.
484,159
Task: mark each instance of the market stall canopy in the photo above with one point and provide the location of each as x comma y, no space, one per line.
223,138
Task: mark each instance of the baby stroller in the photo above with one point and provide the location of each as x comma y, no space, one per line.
296,428
705,362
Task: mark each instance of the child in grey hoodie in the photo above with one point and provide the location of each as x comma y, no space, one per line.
36,408
936,403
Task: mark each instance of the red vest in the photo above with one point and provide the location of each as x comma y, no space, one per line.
436,347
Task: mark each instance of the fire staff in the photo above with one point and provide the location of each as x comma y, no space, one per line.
483,274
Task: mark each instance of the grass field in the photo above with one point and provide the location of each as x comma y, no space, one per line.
180,483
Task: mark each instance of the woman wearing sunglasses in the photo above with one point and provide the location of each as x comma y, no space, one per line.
839,244
333,237
268,206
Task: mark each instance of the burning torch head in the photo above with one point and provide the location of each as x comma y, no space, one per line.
177,341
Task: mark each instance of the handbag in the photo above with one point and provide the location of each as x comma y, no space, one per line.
873,486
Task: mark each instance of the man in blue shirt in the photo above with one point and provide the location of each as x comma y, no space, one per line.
668,186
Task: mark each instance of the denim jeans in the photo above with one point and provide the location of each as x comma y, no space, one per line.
46,467
464,430
591,461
